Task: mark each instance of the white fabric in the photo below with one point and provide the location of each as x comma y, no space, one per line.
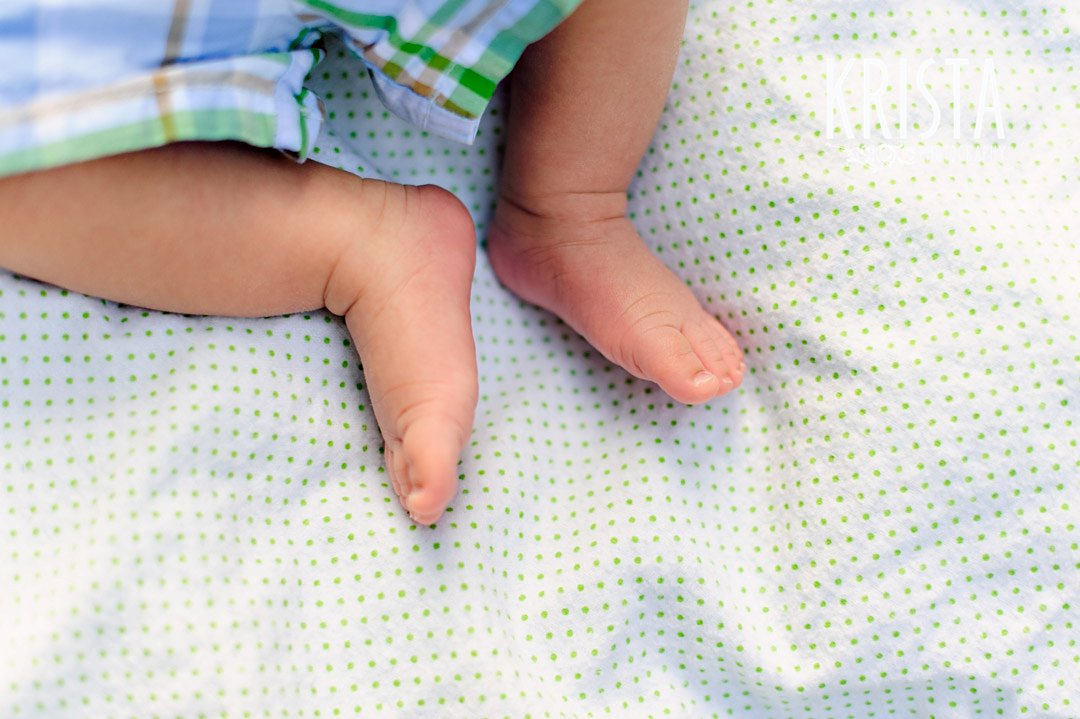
881,522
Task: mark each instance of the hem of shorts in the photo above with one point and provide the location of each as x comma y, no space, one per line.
292,126
423,112
256,129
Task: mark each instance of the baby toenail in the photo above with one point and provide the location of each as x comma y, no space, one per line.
742,367
703,377
727,381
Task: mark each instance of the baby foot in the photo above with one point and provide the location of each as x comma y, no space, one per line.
581,258
409,318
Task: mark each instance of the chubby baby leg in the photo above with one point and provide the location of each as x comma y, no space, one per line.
224,229
584,102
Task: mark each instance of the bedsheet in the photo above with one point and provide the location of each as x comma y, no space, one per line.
878,199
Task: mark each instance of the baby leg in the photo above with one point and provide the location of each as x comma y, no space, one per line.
226,229
584,103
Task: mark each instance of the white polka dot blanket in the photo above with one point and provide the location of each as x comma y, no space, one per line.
878,199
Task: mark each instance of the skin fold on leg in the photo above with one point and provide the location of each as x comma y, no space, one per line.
584,103
225,229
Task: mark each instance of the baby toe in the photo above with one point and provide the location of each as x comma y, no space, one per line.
431,448
425,425
665,355
710,342
718,350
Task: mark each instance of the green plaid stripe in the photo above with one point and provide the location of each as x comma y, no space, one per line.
450,53
131,120
231,124
478,85
416,47
473,84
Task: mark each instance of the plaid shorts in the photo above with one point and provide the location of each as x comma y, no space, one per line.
81,79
